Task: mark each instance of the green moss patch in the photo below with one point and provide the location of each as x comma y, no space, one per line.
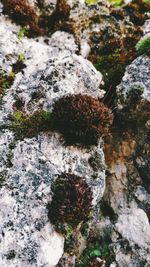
30,125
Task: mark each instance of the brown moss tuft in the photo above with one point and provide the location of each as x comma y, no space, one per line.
137,11
81,118
59,16
20,11
72,200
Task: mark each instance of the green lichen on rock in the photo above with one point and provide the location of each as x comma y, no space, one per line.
30,125
143,46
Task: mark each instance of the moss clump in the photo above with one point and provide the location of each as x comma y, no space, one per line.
31,125
71,201
137,10
81,118
56,21
112,58
23,14
143,46
20,11
6,81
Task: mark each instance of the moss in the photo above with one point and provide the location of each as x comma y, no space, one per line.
90,255
59,16
25,15
30,125
81,118
71,201
6,81
115,55
137,10
19,64
20,11
147,1
116,2
91,2
143,46
22,32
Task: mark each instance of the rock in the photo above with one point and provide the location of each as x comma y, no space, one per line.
142,162
34,50
134,226
135,83
29,166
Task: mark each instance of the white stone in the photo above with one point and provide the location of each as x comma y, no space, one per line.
134,226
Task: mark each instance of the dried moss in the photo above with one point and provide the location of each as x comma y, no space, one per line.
71,201
23,14
20,11
81,118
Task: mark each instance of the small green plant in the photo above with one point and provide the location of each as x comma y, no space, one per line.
21,57
31,125
6,81
147,1
116,2
90,2
143,46
92,252
19,64
22,32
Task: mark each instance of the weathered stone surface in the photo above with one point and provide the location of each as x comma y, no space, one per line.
142,162
134,226
29,166
135,83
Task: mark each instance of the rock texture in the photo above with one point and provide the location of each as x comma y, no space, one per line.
54,66
29,166
127,158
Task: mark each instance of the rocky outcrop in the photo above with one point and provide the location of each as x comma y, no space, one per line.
127,159
29,165
41,71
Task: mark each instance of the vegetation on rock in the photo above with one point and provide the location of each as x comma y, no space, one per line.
6,81
71,201
81,118
30,125
143,46
95,254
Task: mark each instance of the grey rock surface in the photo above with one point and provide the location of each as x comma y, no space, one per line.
29,166
134,226
136,81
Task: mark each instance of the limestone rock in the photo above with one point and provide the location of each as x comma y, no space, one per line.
135,83
29,166
134,226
